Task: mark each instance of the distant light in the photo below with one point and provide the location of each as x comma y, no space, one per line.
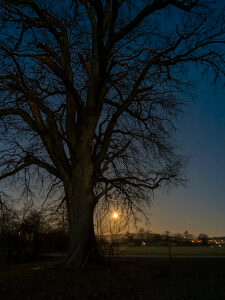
115,215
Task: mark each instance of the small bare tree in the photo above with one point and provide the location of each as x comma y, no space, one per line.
111,222
8,214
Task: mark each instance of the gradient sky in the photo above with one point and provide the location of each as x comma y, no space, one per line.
200,206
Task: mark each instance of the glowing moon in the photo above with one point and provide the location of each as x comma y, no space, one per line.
115,215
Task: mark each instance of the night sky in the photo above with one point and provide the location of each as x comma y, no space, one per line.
200,206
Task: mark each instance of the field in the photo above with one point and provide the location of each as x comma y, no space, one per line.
198,251
117,279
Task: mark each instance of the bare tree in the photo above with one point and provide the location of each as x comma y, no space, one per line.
8,223
203,238
89,93
8,214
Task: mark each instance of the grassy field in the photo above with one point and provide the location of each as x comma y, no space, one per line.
117,279
145,250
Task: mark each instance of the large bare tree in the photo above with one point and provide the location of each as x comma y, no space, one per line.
89,93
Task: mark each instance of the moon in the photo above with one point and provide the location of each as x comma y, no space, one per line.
115,215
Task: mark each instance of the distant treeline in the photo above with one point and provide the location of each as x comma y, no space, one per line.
146,238
29,232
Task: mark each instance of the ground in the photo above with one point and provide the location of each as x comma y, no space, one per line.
120,278
145,250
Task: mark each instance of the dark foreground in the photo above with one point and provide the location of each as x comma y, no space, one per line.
130,278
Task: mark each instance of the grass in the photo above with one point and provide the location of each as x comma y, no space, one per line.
118,279
145,250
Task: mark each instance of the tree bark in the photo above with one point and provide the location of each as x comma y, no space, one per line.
80,205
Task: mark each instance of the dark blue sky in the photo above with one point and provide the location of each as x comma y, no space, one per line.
200,206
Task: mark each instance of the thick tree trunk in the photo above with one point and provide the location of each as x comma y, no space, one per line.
83,245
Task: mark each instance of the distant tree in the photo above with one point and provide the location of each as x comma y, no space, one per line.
178,237
157,237
89,93
167,234
31,222
8,223
148,235
30,229
8,214
188,235
129,238
141,233
168,239
5,215
203,238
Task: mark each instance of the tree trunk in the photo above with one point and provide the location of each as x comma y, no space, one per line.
83,245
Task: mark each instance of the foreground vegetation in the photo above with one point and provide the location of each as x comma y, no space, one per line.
121,278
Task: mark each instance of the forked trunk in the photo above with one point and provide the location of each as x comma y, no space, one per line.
83,246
